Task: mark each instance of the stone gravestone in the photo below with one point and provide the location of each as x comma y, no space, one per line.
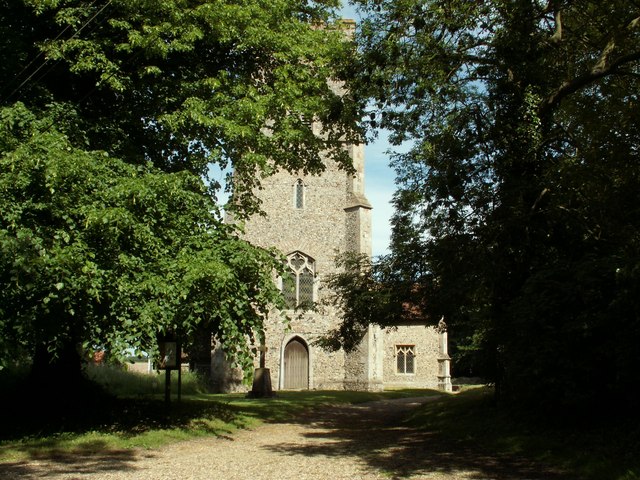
261,379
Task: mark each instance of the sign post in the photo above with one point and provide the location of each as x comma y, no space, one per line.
170,359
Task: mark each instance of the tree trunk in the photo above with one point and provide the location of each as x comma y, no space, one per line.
57,373
200,354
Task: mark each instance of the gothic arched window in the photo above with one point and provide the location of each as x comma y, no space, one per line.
405,359
298,285
298,194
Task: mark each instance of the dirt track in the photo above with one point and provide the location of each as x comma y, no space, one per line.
366,441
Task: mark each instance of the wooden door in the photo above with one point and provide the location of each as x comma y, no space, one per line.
296,366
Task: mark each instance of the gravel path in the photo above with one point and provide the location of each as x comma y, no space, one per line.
365,441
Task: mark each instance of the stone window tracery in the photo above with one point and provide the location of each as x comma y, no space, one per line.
405,359
298,286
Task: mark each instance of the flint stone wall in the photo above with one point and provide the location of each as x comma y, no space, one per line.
335,218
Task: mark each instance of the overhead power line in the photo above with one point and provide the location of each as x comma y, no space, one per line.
47,61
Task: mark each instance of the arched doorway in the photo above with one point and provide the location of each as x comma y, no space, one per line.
296,365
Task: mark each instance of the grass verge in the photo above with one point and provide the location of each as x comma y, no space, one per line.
589,450
138,417
115,424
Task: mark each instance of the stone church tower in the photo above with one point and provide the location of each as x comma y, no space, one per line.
311,219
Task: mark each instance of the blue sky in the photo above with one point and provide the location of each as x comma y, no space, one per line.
379,188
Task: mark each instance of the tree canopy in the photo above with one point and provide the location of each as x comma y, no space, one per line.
516,213
112,114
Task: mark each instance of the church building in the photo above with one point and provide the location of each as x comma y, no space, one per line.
311,219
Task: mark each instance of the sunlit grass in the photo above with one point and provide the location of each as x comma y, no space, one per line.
137,417
121,382
288,403
154,427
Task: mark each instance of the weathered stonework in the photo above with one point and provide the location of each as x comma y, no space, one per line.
316,218
425,340
333,216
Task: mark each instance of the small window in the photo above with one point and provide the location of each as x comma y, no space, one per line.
299,194
405,359
298,285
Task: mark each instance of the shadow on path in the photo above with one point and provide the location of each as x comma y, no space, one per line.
373,435
376,434
90,458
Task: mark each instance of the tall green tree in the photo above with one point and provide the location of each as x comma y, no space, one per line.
517,208
112,114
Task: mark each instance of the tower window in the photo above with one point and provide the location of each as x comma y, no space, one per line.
299,188
298,285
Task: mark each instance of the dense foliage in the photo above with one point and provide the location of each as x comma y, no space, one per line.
365,292
517,207
112,115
